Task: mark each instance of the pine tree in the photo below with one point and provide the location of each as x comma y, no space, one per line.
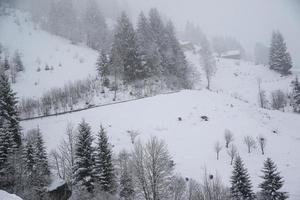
83,167
104,170
28,157
241,188
280,59
272,182
94,26
36,164
296,95
8,109
40,154
7,149
175,63
6,63
18,62
125,46
148,49
102,66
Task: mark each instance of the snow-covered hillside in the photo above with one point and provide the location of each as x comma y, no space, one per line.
232,104
239,78
191,141
38,48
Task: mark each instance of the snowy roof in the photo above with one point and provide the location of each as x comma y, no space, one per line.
231,53
55,183
6,196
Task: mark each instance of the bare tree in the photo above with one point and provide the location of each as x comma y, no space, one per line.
261,95
133,134
278,100
153,169
262,143
194,190
228,137
62,160
250,142
208,61
218,147
232,152
178,187
212,188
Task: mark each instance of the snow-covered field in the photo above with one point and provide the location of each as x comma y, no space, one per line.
191,141
240,78
232,104
39,48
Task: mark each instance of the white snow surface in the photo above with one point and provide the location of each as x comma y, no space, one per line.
191,141
232,104
36,46
6,196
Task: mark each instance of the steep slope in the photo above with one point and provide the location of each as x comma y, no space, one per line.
191,141
239,78
38,49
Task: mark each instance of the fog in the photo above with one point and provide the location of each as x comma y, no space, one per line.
249,21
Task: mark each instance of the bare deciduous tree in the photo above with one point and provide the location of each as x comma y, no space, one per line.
261,95
232,152
194,190
133,134
278,100
62,160
212,188
178,187
218,147
250,142
228,137
208,61
262,143
153,169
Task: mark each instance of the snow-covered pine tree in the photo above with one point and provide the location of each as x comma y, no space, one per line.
296,95
94,26
8,109
18,62
241,188
125,45
148,49
104,169
102,66
28,157
174,61
36,168
83,167
6,65
280,58
7,149
272,183
40,154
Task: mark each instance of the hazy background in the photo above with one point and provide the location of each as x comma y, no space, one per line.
249,21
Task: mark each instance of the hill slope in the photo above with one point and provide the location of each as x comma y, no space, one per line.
38,48
191,141
232,104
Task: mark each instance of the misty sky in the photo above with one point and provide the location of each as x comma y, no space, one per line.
249,21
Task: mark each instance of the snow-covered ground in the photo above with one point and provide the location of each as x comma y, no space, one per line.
191,141
6,196
240,78
39,48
